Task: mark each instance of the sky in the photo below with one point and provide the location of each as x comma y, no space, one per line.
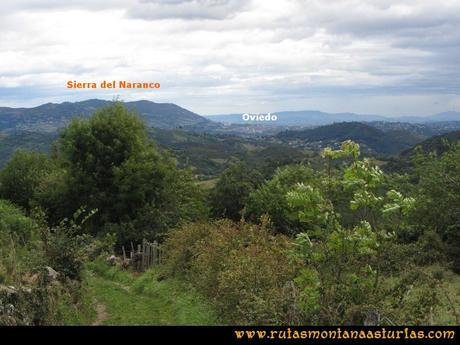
235,56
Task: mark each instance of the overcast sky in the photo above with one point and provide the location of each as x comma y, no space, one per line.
234,56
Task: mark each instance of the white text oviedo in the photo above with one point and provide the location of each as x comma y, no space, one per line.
259,117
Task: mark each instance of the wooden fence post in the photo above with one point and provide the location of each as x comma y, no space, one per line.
155,253
139,255
150,255
160,255
143,255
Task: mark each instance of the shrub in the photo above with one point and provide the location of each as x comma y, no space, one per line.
14,224
64,247
242,268
342,279
19,244
271,199
229,195
180,247
21,176
100,246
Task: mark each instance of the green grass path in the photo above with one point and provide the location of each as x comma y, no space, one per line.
122,299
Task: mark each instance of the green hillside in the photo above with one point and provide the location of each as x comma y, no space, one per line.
50,117
438,144
370,138
206,154
12,141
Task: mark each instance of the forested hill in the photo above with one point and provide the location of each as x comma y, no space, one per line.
207,154
51,116
30,141
371,138
438,144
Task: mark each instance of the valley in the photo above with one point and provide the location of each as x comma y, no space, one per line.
208,144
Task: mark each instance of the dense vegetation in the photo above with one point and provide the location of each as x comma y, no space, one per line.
207,155
326,239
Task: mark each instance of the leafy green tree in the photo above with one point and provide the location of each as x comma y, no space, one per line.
230,194
52,194
270,198
342,278
182,201
21,176
438,206
113,167
97,152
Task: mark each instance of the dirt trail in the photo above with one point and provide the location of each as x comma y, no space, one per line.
101,314
157,303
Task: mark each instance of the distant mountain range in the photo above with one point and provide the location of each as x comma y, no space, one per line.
50,117
318,118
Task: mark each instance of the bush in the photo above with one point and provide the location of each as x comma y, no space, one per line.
180,247
431,249
64,246
19,243
21,176
270,198
100,246
230,194
438,205
242,268
14,224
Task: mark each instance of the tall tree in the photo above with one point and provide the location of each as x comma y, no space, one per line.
270,199
438,208
231,191
114,168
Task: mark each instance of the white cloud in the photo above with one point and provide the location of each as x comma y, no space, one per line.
217,56
187,9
